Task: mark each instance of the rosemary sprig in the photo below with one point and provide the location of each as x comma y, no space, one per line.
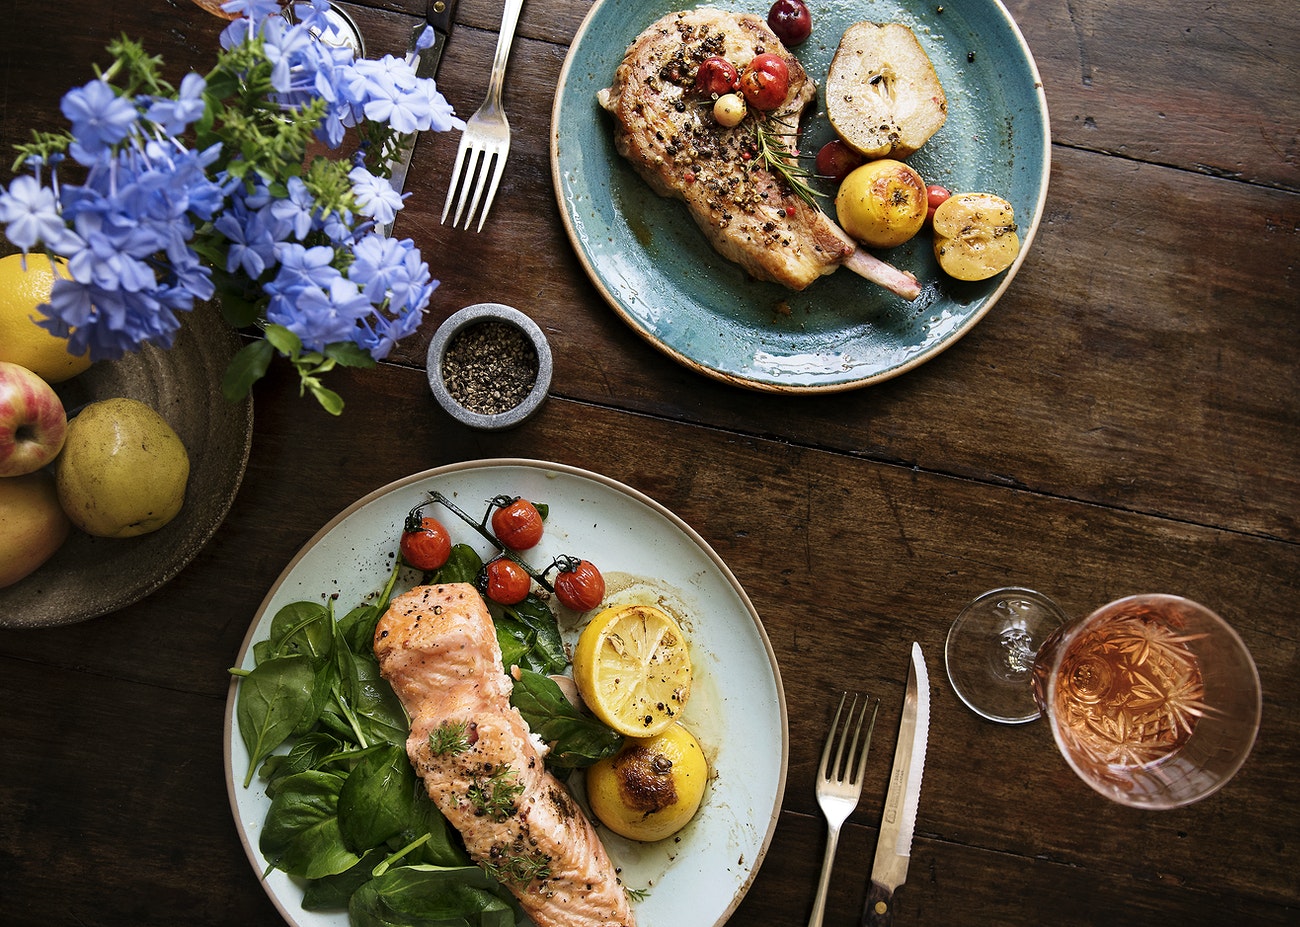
767,132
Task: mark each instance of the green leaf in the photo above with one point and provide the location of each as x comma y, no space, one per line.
431,896
301,835
576,740
283,340
532,624
246,368
272,698
329,400
349,354
462,566
377,798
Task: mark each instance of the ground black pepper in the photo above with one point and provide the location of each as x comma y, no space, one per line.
490,367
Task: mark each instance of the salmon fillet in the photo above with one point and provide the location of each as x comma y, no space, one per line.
438,649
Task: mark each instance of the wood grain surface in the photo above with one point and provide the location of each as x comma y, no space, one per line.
1126,419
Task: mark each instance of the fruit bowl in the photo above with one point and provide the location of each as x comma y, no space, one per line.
91,576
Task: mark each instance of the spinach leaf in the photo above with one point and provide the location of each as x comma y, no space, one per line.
461,567
334,891
432,896
272,699
377,799
576,739
532,626
301,834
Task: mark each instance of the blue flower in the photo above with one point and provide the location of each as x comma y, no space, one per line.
31,216
375,196
294,214
175,116
100,119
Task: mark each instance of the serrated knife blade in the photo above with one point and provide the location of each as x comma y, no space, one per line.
894,845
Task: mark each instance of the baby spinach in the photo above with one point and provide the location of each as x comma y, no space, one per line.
577,740
429,896
301,834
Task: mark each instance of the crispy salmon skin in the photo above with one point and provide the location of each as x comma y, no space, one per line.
438,649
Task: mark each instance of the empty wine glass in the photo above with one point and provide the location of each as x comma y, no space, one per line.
1153,700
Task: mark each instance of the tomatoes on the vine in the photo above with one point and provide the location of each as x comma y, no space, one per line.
506,582
580,586
517,524
425,543
766,81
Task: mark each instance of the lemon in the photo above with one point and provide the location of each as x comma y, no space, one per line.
22,341
122,471
633,669
652,787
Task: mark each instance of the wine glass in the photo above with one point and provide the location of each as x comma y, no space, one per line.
1153,699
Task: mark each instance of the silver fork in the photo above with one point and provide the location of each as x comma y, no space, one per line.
839,785
486,140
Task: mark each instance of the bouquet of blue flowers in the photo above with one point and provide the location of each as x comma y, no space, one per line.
233,185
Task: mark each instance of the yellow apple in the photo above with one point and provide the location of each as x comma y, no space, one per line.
882,203
32,524
975,236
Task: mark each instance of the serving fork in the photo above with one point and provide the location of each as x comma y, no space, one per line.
485,142
839,783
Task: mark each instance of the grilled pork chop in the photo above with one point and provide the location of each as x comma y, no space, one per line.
437,648
668,133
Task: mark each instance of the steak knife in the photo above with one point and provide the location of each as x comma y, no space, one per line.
440,15
894,845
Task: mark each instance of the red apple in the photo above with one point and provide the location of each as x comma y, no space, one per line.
33,423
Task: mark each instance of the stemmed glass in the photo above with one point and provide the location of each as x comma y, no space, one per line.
1153,700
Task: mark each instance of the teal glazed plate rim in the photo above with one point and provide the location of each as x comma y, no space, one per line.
655,268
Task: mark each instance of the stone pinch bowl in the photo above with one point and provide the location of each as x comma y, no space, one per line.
473,315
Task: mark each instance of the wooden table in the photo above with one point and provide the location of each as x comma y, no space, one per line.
1126,419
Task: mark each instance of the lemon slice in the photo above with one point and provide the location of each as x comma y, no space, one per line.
633,669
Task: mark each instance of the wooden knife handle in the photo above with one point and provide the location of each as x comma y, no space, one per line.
879,911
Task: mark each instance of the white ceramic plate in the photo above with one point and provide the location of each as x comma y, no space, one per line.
647,554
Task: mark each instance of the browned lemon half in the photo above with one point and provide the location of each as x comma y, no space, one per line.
652,787
632,667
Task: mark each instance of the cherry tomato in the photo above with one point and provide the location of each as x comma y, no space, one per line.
580,587
507,583
425,543
837,160
517,524
934,198
715,76
791,21
766,81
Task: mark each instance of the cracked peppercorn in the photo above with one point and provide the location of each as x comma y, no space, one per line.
490,367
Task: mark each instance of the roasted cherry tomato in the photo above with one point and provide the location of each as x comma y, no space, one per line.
765,82
934,198
506,582
715,76
791,21
425,543
580,586
517,524
837,160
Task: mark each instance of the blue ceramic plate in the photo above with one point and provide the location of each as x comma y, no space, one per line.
658,272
